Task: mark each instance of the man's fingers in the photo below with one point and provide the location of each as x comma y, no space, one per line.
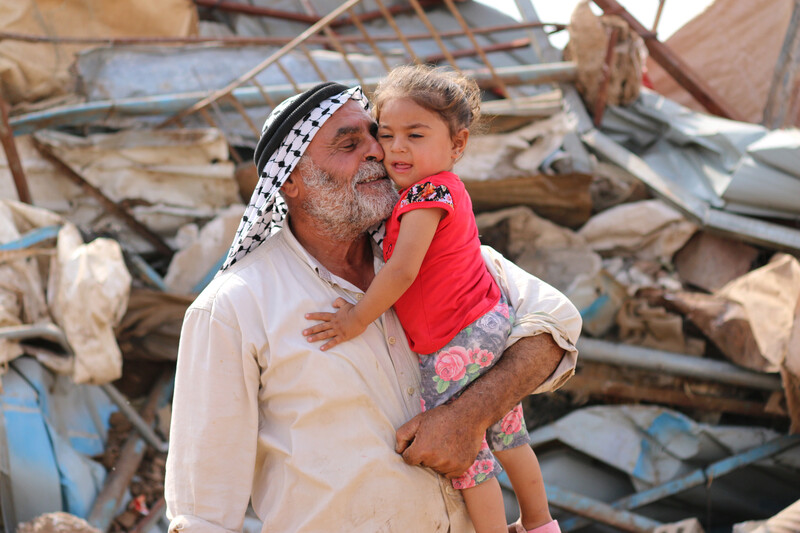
405,434
410,457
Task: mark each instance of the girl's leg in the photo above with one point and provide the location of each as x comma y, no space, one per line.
485,507
523,471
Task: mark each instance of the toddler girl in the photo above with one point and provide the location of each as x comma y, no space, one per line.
450,307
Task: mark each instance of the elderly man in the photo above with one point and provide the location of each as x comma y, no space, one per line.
261,415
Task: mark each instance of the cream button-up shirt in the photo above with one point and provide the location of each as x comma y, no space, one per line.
261,414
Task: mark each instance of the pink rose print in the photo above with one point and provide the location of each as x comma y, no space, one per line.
504,311
485,466
461,482
482,357
452,365
512,422
422,403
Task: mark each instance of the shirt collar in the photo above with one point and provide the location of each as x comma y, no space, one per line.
325,274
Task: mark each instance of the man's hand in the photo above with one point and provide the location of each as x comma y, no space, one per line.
441,440
447,438
339,327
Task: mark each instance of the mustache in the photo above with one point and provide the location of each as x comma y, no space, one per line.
369,170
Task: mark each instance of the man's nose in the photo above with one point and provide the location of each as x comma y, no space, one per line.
374,150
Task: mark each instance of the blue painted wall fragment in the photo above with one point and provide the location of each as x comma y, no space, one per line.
53,428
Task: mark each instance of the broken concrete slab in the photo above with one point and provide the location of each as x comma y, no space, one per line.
709,261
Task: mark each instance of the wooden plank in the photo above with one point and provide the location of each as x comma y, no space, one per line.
783,91
673,64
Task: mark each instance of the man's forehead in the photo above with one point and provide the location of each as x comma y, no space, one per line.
349,119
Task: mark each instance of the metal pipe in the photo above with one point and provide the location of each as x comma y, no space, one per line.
32,238
275,41
249,97
676,364
598,511
12,155
701,476
107,503
469,52
250,74
245,9
142,426
50,332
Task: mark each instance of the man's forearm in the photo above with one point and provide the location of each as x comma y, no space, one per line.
523,367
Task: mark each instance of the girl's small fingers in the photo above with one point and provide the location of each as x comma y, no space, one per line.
317,328
320,336
319,316
330,344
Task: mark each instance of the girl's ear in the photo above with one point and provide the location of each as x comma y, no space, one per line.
460,142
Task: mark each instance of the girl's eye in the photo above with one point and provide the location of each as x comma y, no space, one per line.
416,135
384,136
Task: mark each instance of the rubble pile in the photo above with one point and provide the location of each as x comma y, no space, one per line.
675,232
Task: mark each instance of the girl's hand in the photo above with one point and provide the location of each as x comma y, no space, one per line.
340,326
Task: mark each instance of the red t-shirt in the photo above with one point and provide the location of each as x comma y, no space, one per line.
453,287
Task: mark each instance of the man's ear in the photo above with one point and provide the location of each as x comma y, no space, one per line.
460,142
290,188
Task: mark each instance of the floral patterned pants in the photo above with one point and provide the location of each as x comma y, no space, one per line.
445,374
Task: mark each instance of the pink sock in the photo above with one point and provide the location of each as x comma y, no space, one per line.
550,527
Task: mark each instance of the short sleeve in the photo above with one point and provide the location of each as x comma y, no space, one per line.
426,194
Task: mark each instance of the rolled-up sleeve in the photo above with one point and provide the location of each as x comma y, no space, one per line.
539,308
214,429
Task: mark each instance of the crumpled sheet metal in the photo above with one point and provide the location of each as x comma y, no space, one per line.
740,166
653,446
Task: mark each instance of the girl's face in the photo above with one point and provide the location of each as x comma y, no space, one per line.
416,142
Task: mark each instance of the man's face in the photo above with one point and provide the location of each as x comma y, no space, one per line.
345,186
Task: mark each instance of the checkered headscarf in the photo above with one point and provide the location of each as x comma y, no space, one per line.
285,136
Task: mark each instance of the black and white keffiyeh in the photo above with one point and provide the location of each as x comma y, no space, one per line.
286,134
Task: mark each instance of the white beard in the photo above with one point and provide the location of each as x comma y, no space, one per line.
343,212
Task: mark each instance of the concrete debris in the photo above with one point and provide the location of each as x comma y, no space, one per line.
709,261
648,230
668,228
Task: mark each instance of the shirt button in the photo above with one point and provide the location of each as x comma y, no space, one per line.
410,391
359,296
392,340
